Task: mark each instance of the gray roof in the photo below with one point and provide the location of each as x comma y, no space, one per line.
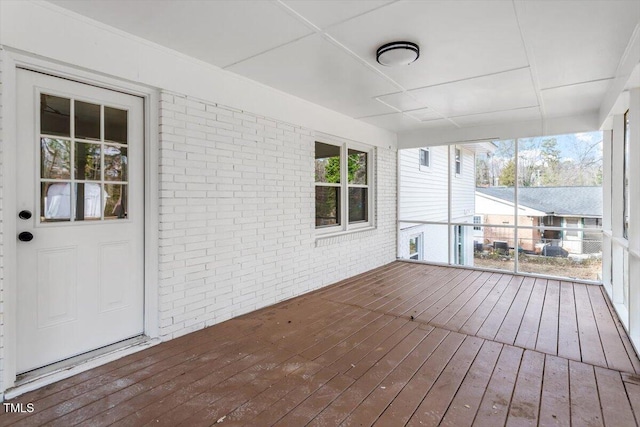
558,201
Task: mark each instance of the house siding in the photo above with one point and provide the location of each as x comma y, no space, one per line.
237,205
424,197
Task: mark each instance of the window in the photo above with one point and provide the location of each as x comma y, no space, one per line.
459,245
342,186
415,247
572,223
477,219
458,161
425,157
625,178
83,161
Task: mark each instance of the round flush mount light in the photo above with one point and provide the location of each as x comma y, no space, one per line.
397,53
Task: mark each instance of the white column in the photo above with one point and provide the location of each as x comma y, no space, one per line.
634,216
606,210
618,246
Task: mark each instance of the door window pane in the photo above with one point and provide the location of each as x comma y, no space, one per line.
327,163
115,125
87,165
357,167
357,204
115,163
327,206
55,201
55,115
88,201
55,158
115,205
87,120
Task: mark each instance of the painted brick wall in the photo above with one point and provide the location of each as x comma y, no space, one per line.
237,227
2,149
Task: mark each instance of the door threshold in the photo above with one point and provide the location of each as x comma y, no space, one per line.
50,374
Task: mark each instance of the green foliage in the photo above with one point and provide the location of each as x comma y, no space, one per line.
508,174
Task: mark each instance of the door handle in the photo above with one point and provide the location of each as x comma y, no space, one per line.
25,236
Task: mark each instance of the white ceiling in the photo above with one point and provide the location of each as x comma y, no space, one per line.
481,62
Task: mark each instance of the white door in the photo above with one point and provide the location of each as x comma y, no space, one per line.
80,199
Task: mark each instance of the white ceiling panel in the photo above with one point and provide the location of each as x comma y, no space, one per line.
519,115
401,101
481,61
423,114
575,42
315,69
219,32
401,122
497,92
324,13
573,100
458,39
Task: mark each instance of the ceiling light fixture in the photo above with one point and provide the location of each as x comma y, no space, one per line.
397,53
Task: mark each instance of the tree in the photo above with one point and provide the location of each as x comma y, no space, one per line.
508,174
551,162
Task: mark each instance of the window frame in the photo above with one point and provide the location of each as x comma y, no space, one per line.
625,176
477,224
457,160
419,251
346,226
427,166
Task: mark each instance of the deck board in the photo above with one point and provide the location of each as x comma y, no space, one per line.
481,349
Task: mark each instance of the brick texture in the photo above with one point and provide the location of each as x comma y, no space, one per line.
237,214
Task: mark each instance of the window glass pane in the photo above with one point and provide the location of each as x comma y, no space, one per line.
115,163
115,125
327,206
88,201
357,167
87,165
115,205
327,165
358,205
424,157
55,155
87,120
458,156
55,201
55,115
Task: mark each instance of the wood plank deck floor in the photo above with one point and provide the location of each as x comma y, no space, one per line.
405,344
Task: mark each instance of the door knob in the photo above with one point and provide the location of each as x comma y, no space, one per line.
25,236
25,214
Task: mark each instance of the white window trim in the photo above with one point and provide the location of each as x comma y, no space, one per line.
424,168
476,225
419,246
345,227
455,162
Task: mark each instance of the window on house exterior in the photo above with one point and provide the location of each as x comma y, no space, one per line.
415,247
343,188
572,223
458,154
425,157
625,178
477,219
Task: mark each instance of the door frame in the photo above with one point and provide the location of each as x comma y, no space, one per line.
10,61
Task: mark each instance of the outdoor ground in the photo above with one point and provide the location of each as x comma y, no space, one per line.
562,267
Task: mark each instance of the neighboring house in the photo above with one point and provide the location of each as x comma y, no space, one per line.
423,197
573,207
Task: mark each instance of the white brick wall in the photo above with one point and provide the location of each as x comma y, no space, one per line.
2,149
237,216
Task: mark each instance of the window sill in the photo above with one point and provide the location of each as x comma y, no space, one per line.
338,236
